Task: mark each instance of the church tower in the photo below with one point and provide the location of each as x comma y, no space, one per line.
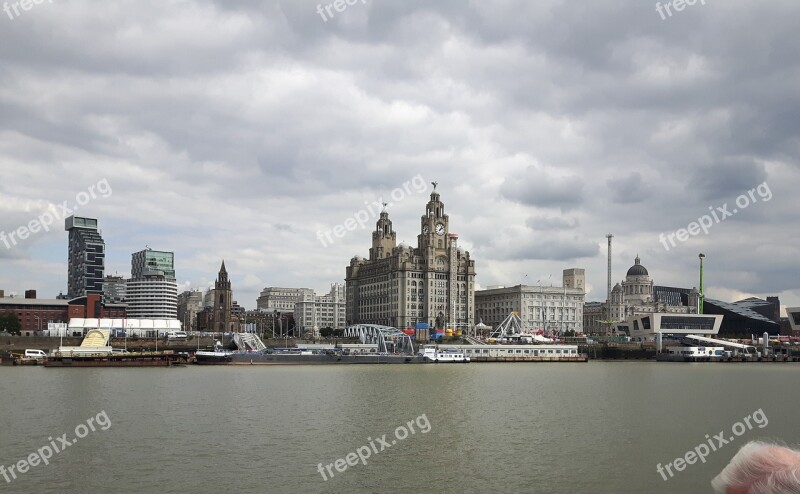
223,302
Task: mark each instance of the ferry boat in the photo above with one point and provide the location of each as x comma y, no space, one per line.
692,354
218,356
430,353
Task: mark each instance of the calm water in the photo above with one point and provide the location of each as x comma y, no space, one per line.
550,428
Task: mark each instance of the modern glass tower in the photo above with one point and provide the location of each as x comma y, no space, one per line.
87,257
153,260
152,292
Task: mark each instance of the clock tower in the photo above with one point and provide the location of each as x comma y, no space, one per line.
402,286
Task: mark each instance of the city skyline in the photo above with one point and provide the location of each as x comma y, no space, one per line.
537,154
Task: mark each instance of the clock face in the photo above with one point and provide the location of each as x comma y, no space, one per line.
426,230
439,229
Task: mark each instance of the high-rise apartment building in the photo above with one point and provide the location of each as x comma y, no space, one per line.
87,257
152,292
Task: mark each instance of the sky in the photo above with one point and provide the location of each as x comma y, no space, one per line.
245,130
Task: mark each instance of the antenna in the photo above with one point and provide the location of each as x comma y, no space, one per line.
608,293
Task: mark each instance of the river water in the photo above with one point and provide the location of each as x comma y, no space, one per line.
600,427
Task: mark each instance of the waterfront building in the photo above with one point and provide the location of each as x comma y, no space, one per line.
324,311
86,262
744,318
141,328
646,327
114,289
152,296
35,314
283,300
635,295
190,303
794,319
555,309
401,286
152,292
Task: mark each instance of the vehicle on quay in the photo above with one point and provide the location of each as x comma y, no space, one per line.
431,353
29,357
177,335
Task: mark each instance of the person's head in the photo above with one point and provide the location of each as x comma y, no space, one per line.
760,468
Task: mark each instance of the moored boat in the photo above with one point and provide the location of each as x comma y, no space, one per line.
430,353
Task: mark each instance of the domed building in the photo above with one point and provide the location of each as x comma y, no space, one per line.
636,295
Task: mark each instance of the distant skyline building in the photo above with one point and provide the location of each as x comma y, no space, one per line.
282,299
548,308
114,289
401,286
190,303
324,311
86,261
638,295
152,291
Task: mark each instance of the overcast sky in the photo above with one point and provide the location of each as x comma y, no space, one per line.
237,130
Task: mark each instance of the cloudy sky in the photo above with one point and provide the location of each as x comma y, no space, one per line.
238,130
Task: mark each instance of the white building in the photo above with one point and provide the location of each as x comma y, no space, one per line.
324,311
549,308
152,296
143,328
645,327
283,300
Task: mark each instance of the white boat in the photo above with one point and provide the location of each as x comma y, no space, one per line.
692,354
431,353
218,356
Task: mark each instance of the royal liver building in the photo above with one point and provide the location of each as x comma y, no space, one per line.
401,286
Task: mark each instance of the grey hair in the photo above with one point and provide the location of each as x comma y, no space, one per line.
761,468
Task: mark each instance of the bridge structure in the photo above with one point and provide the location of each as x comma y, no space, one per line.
388,339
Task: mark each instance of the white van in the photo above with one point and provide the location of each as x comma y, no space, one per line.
35,354
177,335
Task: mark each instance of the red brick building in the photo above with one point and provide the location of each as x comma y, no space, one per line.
35,313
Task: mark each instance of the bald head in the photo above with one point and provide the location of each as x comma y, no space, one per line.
760,468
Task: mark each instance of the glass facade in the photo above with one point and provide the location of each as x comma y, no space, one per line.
153,260
687,323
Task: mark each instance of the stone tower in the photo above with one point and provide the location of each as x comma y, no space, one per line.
223,295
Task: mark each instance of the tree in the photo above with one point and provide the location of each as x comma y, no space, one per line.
9,322
326,332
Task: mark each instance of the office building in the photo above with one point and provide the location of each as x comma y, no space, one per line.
402,286
324,311
553,309
283,300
